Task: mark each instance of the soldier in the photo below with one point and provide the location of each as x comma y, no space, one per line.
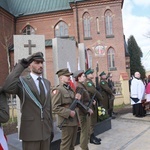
93,91
112,87
106,93
36,129
62,98
84,117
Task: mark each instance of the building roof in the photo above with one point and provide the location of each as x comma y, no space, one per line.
28,7
3,4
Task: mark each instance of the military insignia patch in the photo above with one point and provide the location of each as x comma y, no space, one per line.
103,82
89,84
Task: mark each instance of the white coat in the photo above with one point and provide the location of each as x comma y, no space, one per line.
137,90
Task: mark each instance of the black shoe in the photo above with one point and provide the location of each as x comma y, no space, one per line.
139,116
94,141
113,117
115,113
98,139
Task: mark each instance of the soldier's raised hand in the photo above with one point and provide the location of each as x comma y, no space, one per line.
25,62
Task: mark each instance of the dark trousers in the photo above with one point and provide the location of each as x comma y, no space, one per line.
139,110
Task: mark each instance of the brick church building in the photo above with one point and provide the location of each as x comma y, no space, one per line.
96,23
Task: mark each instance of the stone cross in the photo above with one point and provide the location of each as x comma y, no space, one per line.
30,46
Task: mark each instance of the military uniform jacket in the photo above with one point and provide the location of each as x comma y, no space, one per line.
62,98
85,97
4,108
92,90
32,128
106,93
105,87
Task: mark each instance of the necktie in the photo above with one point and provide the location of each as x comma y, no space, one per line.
42,91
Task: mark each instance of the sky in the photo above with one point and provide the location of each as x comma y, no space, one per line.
136,22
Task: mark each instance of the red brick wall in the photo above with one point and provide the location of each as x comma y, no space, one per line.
45,23
6,31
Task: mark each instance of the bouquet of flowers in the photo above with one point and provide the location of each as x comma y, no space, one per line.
102,113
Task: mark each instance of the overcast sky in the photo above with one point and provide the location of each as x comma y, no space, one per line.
136,22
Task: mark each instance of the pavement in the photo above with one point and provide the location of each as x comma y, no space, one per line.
127,133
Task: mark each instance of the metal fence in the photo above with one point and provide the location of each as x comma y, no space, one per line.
118,88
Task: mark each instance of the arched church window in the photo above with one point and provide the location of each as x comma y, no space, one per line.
28,30
111,59
97,25
89,59
61,29
86,25
108,23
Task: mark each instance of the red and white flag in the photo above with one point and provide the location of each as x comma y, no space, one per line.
3,142
71,83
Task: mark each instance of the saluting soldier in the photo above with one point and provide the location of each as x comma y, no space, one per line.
62,98
36,129
83,115
93,91
106,93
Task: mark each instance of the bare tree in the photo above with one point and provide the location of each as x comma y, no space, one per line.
6,36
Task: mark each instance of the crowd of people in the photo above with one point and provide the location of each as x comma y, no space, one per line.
74,108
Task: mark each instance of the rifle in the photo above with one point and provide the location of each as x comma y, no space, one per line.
75,103
91,101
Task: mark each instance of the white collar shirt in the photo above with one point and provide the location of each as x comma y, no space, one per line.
36,81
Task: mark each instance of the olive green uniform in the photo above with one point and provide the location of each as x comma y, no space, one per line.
107,95
84,117
62,98
92,90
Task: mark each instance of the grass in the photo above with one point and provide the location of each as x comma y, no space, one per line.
10,121
122,106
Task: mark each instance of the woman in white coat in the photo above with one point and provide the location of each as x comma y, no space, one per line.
137,95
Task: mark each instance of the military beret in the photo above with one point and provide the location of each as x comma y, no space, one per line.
89,71
102,73
37,56
64,72
77,73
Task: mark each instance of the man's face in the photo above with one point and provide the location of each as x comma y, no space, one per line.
137,75
37,67
103,76
65,79
90,76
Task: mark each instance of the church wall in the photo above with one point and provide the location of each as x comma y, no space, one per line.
117,42
6,31
45,23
